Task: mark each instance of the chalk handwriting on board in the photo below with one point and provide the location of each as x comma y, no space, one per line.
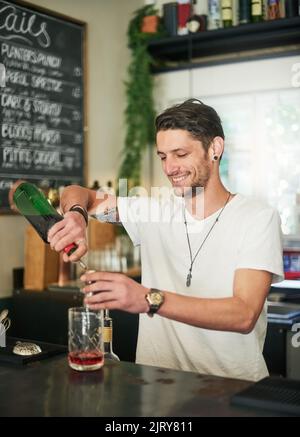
41,98
30,55
19,22
2,75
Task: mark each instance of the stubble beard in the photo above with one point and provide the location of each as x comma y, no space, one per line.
197,185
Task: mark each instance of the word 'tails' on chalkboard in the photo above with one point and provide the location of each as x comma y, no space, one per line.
41,98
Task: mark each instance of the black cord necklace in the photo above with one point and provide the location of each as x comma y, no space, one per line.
189,275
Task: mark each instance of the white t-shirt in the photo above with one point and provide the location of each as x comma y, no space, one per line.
247,235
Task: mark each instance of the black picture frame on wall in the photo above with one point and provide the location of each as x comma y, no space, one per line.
43,103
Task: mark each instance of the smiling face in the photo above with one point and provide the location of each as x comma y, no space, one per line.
184,160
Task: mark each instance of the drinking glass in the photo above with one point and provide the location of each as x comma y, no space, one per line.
85,339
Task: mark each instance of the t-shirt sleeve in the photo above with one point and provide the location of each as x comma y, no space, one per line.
127,209
261,247
133,212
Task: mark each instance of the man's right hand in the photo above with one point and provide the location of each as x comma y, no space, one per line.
72,229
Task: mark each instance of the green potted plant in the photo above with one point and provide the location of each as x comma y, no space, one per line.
139,112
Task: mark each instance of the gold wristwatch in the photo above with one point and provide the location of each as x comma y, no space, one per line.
155,299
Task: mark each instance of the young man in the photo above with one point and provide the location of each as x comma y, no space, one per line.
206,271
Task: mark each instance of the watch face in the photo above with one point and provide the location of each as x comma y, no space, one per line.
156,298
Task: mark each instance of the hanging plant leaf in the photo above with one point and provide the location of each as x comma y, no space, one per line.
139,112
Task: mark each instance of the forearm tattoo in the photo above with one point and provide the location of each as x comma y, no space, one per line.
109,216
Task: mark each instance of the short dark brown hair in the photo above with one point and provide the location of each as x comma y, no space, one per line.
200,120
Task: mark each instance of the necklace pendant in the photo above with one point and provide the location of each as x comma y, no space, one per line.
188,279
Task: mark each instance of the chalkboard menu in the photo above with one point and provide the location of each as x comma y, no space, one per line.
42,102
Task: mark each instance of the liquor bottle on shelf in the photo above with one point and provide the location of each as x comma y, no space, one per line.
292,8
236,12
95,186
214,15
44,186
170,18
244,11
282,9
256,11
273,9
109,188
34,206
265,10
184,13
53,196
227,13
107,339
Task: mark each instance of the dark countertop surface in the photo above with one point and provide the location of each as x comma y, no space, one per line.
50,388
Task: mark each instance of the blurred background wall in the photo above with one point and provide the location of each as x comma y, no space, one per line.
108,58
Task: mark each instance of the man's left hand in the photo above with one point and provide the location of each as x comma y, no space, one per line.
115,291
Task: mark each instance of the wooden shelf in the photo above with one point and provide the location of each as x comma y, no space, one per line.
224,44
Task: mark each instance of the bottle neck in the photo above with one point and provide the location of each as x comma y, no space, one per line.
108,348
107,340
107,334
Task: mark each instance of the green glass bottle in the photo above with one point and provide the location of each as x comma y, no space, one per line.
227,14
34,206
244,11
256,11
